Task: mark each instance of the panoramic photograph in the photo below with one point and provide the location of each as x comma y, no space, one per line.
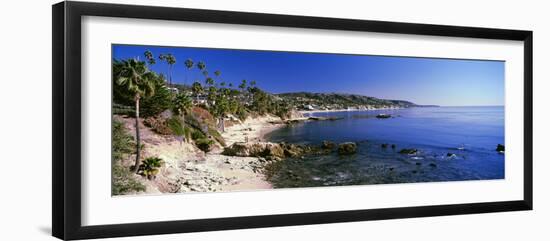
201,120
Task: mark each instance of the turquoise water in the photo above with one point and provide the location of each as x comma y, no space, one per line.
454,144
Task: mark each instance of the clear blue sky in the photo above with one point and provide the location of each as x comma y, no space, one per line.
445,82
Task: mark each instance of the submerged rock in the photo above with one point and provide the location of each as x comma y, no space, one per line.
383,116
347,148
408,151
318,118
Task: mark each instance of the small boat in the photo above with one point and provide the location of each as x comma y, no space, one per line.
383,116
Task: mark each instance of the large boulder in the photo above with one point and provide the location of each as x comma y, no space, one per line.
292,150
328,145
272,149
237,149
293,114
347,148
269,150
257,149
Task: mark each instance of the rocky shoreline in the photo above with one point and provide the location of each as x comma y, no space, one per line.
241,165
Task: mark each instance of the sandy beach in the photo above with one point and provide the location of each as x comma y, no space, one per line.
188,169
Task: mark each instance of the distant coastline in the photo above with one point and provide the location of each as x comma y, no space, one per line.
347,110
363,109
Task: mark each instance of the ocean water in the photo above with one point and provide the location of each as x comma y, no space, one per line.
453,143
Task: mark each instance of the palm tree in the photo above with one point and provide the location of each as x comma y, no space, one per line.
201,66
197,89
134,76
212,91
170,60
182,103
217,73
149,57
251,88
189,64
242,86
209,81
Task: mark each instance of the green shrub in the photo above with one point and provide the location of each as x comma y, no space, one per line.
122,142
187,132
123,181
216,135
192,121
197,134
152,162
242,114
159,102
176,126
150,167
204,144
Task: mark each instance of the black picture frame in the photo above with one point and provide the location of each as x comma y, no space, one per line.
66,128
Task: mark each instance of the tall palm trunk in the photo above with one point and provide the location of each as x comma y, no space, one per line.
186,77
221,120
170,75
138,144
